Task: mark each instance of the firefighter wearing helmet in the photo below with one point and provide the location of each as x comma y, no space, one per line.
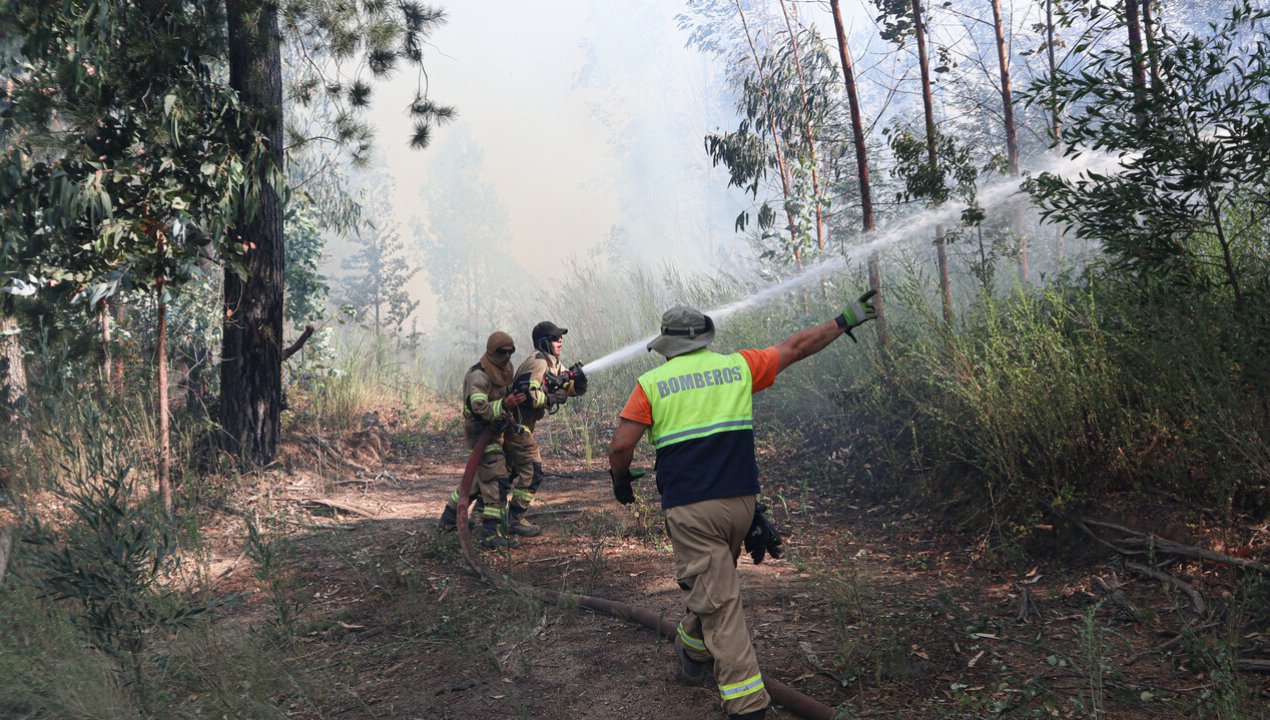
549,385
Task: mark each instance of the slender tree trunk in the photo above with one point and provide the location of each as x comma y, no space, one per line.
862,165
103,317
7,534
1133,25
1056,128
808,135
1011,133
786,190
857,123
251,350
12,370
116,304
928,106
1148,33
161,363
1007,102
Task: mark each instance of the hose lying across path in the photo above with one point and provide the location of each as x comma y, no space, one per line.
796,702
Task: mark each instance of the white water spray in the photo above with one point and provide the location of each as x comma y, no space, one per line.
915,225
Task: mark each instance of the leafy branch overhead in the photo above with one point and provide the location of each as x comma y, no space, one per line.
337,44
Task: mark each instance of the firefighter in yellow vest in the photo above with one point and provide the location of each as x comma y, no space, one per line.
550,385
487,403
696,409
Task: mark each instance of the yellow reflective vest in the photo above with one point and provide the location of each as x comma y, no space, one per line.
703,427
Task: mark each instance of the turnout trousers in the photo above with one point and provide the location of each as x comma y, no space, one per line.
707,538
524,461
491,479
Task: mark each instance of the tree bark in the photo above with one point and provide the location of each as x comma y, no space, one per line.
12,370
807,130
1011,132
776,143
161,364
1133,25
857,123
862,166
251,350
928,107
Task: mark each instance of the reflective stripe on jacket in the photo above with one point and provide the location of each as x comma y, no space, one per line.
703,427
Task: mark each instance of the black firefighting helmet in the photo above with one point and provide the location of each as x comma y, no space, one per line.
544,331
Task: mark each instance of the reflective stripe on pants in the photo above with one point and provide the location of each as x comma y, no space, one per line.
707,539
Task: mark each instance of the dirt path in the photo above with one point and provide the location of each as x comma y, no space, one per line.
869,611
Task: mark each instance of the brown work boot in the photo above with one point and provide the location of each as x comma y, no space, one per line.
519,525
692,672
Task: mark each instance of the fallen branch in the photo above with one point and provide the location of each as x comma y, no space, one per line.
299,343
1253,665
337,505
225,573
313,526
1153,542
1197,599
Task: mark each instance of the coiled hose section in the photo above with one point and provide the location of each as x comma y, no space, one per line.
794,701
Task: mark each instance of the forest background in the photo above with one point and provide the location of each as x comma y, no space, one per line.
1061,201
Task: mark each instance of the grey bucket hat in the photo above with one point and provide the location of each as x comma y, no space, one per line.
683,329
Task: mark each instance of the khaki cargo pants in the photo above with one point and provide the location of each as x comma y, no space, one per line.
491,474
524,461
707,539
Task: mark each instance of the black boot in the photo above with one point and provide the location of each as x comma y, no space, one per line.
493,536
756,715
519,525
449,519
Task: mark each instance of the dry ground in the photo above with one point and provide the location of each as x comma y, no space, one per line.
873,610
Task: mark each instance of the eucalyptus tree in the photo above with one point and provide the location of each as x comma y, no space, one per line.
1187,197
126,154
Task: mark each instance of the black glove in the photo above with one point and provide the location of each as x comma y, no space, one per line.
763,538
579,378
622,489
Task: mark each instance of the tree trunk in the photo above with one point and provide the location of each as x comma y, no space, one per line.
1011,133
807,131
1007,103
928,106
857,124
1133,25
165,430
1055,127
776,143
862,166
1148,33
12,370
251,350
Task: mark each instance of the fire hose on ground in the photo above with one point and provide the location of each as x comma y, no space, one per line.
794,701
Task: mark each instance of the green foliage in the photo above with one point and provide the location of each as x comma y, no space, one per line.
111,562
1044,400
376,288
122,164
1192,175
307,289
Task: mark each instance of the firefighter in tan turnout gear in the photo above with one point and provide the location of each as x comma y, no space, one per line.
696,409
549,386
487,402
